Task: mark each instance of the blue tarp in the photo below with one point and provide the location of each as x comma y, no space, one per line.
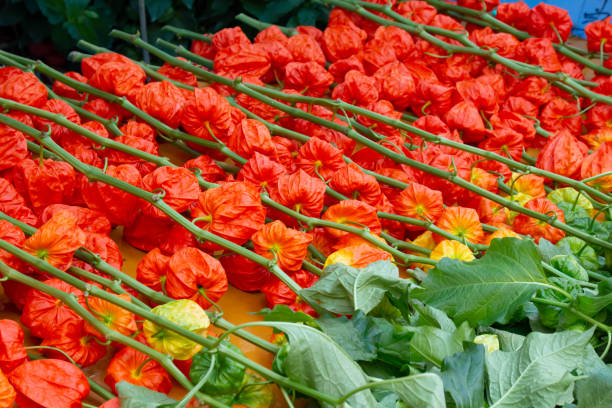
581,12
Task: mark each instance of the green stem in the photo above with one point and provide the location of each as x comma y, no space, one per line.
485,19
95,261
94,173
183,403
114,336
570,309
62,352
374,384
428,33
182,33
395,123
128,106
260,25
73,304
605,174
240,87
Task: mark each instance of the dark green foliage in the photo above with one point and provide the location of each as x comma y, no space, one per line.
64,22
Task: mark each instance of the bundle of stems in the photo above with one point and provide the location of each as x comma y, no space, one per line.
95,174
336,105
428,33
349,131
485,19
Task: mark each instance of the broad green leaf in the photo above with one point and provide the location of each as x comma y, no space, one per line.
188,3
538,374
508,341
343,289
346,335
591,305
255,392
432,345
394,346
283,313
373,282
430,316
486,290
133,396
595,391
75,8
157,7
226,375
420,390
314,359
270,11
580,249
463,376
54,10
548,250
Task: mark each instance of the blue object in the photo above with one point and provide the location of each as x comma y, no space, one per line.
582,12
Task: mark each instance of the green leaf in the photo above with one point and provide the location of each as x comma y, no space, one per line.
537,374
343,289
595,391
11,14
432,345
508,341
580,249
188,3
133,396
420,390
270,11
373,282
283,313
548,250
601,230
54,10
394,346
315,360
226,376
488,289
591,304
430,316
463,376
255,392
571,212
157,8
74,8
351,335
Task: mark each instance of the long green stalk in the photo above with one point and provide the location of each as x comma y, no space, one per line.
109,334
115,285
161,321
160,161
428,33
482,18
398,124
350,132
122,102
94,173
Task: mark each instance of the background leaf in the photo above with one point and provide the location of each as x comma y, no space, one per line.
352,335
156,8
463,376
537,374
133,396
421,390
343,289
314,359
595,391
488,289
